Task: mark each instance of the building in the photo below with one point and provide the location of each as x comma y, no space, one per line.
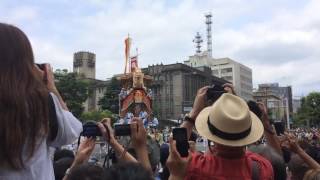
272,101
174,87
84,64
277,99
228,69
283,92
296,104
97,91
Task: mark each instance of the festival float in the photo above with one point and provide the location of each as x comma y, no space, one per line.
135,100
134,96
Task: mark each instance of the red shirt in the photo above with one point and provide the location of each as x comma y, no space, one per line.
206,166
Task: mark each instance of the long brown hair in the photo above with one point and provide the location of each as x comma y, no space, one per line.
23,99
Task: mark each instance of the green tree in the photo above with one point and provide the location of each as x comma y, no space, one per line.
110,100
96,115
73,90
309,112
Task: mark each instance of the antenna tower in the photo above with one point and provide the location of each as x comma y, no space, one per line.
209,33
198,40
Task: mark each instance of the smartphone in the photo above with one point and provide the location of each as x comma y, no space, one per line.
214,92
254,107
181,138
122,130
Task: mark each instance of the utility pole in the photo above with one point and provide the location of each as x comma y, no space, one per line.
209,33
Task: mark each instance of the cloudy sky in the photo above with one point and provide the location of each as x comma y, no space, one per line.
278,39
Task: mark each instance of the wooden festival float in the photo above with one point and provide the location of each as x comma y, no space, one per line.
134,85
134,93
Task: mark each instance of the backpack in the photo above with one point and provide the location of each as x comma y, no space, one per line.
53,121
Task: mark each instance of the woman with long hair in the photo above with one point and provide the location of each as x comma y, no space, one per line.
27,120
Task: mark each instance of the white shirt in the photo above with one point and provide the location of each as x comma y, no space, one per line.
40,167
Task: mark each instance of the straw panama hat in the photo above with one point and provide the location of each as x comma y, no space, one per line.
229,122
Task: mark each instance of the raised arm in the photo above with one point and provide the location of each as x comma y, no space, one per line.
139,142
109,136
198,105
292,144
269,132
84,152
52,87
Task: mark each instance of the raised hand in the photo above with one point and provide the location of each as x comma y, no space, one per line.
176,164
106,130
291,143
84,151
50,78
199,102
138,133
264,111
228,87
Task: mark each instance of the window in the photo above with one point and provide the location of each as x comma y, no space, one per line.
215,72
91,63
77,63
226,70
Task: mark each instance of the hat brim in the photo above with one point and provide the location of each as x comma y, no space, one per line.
203,129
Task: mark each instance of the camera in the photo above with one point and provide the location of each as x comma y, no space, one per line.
41,66
91,129
214,92
122,130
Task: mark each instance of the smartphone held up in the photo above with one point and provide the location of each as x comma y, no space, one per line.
181,138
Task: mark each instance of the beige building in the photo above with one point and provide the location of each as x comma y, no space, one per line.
175,86
84,63
272,101
228,69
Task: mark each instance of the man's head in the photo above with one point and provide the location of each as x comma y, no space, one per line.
60,166
229,122
86,172
62,153
129,171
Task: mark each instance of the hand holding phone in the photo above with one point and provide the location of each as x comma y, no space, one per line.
42,67
181,138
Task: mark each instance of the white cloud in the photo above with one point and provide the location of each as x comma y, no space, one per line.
48,52
283,49
279,42
22,14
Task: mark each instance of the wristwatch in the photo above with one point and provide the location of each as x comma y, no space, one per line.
188,119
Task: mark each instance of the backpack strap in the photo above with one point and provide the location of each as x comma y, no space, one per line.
53,121
255,170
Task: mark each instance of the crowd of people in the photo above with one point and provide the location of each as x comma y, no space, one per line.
241,144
